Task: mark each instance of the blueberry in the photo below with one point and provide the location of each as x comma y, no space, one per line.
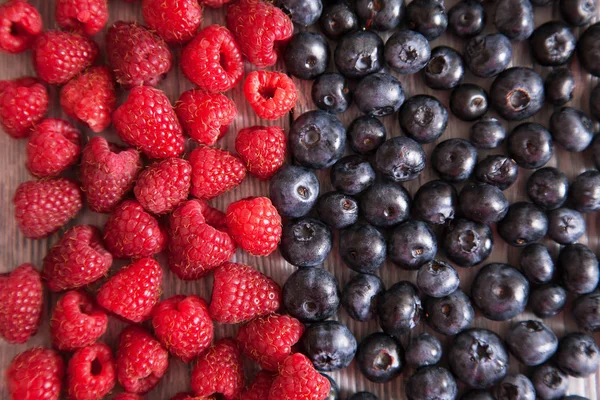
311,294
385,204
423,118
380,357
488,55
317,139
427,17
549,382
352,174
548,188
531,342
423,350
334,389
400,159
498,170
565,225
523,224
559,86
467,243
363,396
552,44
515,387
451,314
302,12
578,355
338,19
329,345
337,210
572,129
412,244
595,102
407,52
468,102
445,69
431,383
454,159
307,54
379,15
588,49
514,18
362,248
294,190
399,309
437,279
305,242
360,295
586,311
484,203
330,93
379,94
467,18
359,54
584,193
536,263
530,145
578,12
478,395
487,133
517,93
435,202
366,134
577,266
547,300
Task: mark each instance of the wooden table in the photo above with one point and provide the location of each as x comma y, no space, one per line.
15,249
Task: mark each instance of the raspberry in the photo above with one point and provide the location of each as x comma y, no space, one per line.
204,116
141,360
258,27
214,172
241,293
219,370
213,216
54,145
131,232
147,121
176,21
298,380
78,259
136,55
20,23
83,16
22,299
262,148
196,247
91,373
270,94
133,291
164,185
108,172
213,60
268,340
23,103
255,225
90,98
76,321
35,374
60,56
44,206
259,389
183,326
128,396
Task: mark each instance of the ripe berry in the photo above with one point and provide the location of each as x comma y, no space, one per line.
23,104
379,94
330,93
578,268
380,16
214,172
454,159
362,248
337,210
450,314
423,118
260,386
385,204
431,382
523,224
91,373
54,146
514,18
423,350
380,357
467,243
359,54
307,55
219,370
337,19
515,384
531,342
536,263
366,134
436,202
302,12
578,355
262,148
517,93
412,244
270,94
311,294
83,16
559,86
176,21
329,345
164,185
467,18
437,279
530,145
427,17
35,374
445,69
298,379
498,170
352,174
360,296
488,55
399,309
21,23
487,133
407,52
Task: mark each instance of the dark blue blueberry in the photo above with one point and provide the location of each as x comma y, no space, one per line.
559,86
467,243
305,242
531,342
352,174
399,309
548,188
517,93
379,94
431,383
515,387
385,204
536,263
380,357
311,295
468,102
334,389
423,118
412,244
498,170
362,247
359,54
400,159
550,383
454,159
588,49
330,93
363,396
467,18
337,210
514,18
437,279
586,311
572,129
481,202
578,355
523,224
435,202
547,300
450,314
407,52
478,395
578,12
565,225
379,15
577,267
428,17
584,193
360,295
329,345
487,133
302,12
366,134
423,350
294,190
306,55
338,19
552,44
488,55
530,145
445,69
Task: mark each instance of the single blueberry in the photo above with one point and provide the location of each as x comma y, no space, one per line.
454,159
307,54
366,134
498,170
467,243
385,204
423,118
517,93
362,248
311,294
407,52
352,174
431,382
305,242
412,244
467,18
548,188
531,342
359,54
487,133
294,190
565,225
360,296
380,15
437,279
488,55
547,300
329,345
450,314
399,309
423,350
380,357
536,263
337,210
445,69
379,94
330,93
530,145
484,203
337,19
400,159
578,355
435,202
523,224
515,386
549,382
577,267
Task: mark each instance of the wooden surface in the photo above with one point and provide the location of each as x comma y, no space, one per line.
15,249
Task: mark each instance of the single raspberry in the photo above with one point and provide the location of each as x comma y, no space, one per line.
241,293
20,23
128,396
147,121
91,373
136,55
214,3
133,291
141,360
213,60
54,145
298,380
268,340
22,299
164,185
60,56
176,21
214,172
219,370
44,206
270,94
262,148
35,374
130,232
77,260
205,116
107,172
260,386
183,326
90,98
83,16
76,321
195,247
23,103
255,225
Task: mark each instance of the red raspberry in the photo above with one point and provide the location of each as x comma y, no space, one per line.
196,247
298,380
20,23
183,326
133,291
76,321
141,360
176,21
164,185
90,98
107,172
241,293
270,94
83,16
23,103
147,121
54,145
91,373
22,299
205,116
219,370
60,56
259,389
255,225
213,60
259,27
262,148
77,260
137,56
44,206
35,374
128,396
214,172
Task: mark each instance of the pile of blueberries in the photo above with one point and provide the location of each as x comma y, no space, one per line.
377,219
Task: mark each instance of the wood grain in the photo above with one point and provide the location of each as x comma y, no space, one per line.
15,249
